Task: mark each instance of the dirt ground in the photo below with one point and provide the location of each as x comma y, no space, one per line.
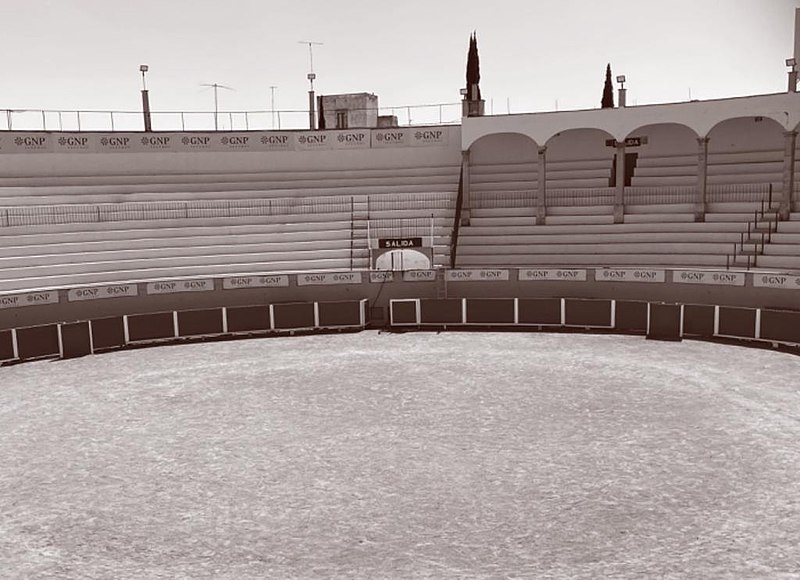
420,455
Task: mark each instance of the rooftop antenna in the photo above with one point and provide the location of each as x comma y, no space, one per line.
216,86
311,76
272,92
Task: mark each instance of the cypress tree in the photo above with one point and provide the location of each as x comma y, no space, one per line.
608,91
473,68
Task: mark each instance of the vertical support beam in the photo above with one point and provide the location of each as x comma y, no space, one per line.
312,120
702,179
619,192
465,188
148,126
541,194
789,158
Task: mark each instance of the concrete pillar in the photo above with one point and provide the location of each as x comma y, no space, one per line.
312,116
702,179
541,193
148,126
789,158
465,188
619,193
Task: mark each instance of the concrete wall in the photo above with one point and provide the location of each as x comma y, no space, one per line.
700,116
227,153
757,290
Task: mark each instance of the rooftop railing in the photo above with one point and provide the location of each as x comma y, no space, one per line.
64,120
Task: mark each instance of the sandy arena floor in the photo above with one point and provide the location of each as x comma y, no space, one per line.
377,456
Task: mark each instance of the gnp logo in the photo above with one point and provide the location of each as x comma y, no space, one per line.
312,139
275,139
196,141
429,135
80,142
235,141
391,137
115,142
351,137
30,142
162,141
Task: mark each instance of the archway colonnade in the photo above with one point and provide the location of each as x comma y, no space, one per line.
698,129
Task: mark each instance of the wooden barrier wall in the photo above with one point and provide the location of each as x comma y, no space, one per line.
74,339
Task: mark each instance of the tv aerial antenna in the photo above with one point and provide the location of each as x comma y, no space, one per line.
216,87
311,44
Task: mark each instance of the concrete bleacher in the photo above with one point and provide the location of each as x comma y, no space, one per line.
499,237
782,252
61,230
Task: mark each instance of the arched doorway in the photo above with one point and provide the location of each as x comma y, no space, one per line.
400,260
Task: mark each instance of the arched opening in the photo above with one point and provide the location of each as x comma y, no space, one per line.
745,159
666,158
401,260
580,159
503,171
581,172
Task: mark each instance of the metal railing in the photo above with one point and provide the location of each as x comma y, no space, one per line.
502,199
580,197
169,210
64,120
764,217
660,195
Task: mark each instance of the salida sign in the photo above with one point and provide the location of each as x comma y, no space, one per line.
395,243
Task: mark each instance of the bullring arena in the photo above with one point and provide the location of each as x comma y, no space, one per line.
548,438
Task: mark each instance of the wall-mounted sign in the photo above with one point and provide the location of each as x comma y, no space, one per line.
713,278
628,142
395,243
180,286
536,274
629,275
98,292
29,299
328,279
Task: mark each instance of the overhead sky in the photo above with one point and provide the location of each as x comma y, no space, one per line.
535,55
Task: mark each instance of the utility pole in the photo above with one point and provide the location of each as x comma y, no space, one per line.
272,91
311,76
216,101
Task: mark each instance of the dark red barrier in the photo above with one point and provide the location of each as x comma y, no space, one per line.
6,345
37,341
108,333
665,322
490,310
630,316
346,313
293,315
404,312
698,320
200,322
540,311
737,322
158,326
588,312
75,340
446,311
248,318
780,325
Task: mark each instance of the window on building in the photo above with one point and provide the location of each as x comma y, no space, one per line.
341,119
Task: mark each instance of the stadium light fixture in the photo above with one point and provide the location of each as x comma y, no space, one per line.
621,81
792,64
463,92
143,68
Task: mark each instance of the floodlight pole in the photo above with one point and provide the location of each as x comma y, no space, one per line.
148,127
272,106
792,64
312,120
